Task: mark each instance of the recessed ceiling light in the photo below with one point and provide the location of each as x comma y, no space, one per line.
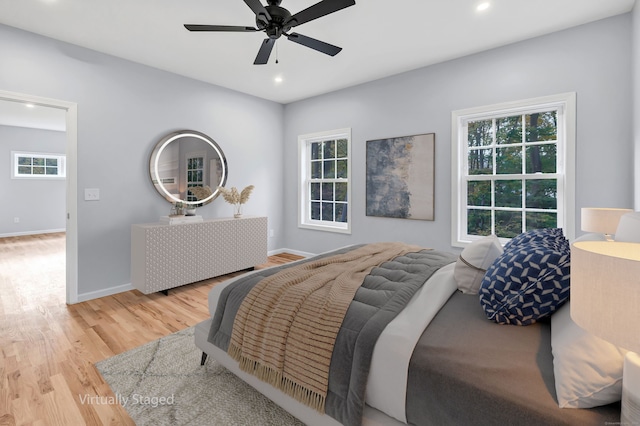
30,105
278,79
483,6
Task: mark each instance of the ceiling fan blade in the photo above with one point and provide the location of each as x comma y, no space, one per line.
318,45
258,9
316,11
264,52
197,27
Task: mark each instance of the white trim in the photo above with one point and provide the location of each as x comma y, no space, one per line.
72,184
566,156
83,297
290,251
303,141
23,233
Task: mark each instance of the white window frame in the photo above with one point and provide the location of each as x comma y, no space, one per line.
304,181
565,103
62,165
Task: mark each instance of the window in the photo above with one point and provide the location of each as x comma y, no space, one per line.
195,174
513,168
34,165
325,181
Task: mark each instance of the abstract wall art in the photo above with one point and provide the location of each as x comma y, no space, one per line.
400,177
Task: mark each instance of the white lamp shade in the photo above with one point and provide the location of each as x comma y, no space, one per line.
601,220
605,291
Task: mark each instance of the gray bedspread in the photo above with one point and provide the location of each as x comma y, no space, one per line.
466,370
383,294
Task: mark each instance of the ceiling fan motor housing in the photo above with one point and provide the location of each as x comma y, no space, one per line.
279,15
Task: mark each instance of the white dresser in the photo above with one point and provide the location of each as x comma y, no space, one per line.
165,256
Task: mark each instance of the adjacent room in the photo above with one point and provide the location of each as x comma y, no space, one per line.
447,193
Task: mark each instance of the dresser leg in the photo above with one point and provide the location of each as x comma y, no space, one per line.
204,358
165,292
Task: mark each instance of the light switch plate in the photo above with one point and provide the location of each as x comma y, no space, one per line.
91,194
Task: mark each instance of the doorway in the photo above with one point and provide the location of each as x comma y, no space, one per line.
71,238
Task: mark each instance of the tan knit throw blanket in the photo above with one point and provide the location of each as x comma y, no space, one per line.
286,327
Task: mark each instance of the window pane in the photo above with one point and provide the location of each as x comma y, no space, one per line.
329,149
24,161
509,130
341,212
327,211
51,170
342,148
508,160
541,158
541,220
478,222
329,169
315,211
479,133
199,162
479,193
341,192
315,191
542,126
343,171
24,170
327,191
508,224
51,161
316,150
38,161
316,170
542,194
481,162
509,193
189,176
37,170
198,176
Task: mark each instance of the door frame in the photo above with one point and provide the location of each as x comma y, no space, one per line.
71,233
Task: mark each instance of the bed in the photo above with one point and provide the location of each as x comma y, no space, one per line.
437,359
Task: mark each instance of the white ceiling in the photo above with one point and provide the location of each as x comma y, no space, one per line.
22,114
379,37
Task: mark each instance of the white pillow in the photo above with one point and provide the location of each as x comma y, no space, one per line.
629,228
587,369
474,261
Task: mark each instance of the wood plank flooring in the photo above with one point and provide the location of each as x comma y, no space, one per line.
48,348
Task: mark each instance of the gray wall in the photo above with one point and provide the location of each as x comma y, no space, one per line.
593,60
123,110
636,99
39,204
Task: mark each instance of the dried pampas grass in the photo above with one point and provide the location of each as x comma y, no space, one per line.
232,196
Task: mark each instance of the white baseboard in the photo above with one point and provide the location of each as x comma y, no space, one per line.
23,233
83,297
286,250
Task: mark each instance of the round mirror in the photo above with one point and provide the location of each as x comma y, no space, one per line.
188,166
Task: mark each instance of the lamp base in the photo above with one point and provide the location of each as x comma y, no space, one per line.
630,413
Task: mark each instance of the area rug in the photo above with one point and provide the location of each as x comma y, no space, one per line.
162,383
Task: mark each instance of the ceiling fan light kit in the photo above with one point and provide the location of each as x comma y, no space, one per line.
276,21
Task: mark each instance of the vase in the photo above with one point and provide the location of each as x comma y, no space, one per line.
237,210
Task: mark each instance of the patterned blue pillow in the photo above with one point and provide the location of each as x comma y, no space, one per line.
549,236
526,283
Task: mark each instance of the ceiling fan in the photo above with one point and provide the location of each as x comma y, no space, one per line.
277,21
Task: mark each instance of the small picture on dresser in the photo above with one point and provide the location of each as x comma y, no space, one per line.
400,177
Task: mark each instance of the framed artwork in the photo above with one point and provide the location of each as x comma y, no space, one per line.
400,177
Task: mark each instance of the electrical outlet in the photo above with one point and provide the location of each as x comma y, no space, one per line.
16,220
91,194
271,233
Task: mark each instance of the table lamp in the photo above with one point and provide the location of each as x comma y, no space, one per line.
601,220
605,300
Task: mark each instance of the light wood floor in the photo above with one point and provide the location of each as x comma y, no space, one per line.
48,348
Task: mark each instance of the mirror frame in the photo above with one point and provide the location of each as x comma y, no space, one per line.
157,152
